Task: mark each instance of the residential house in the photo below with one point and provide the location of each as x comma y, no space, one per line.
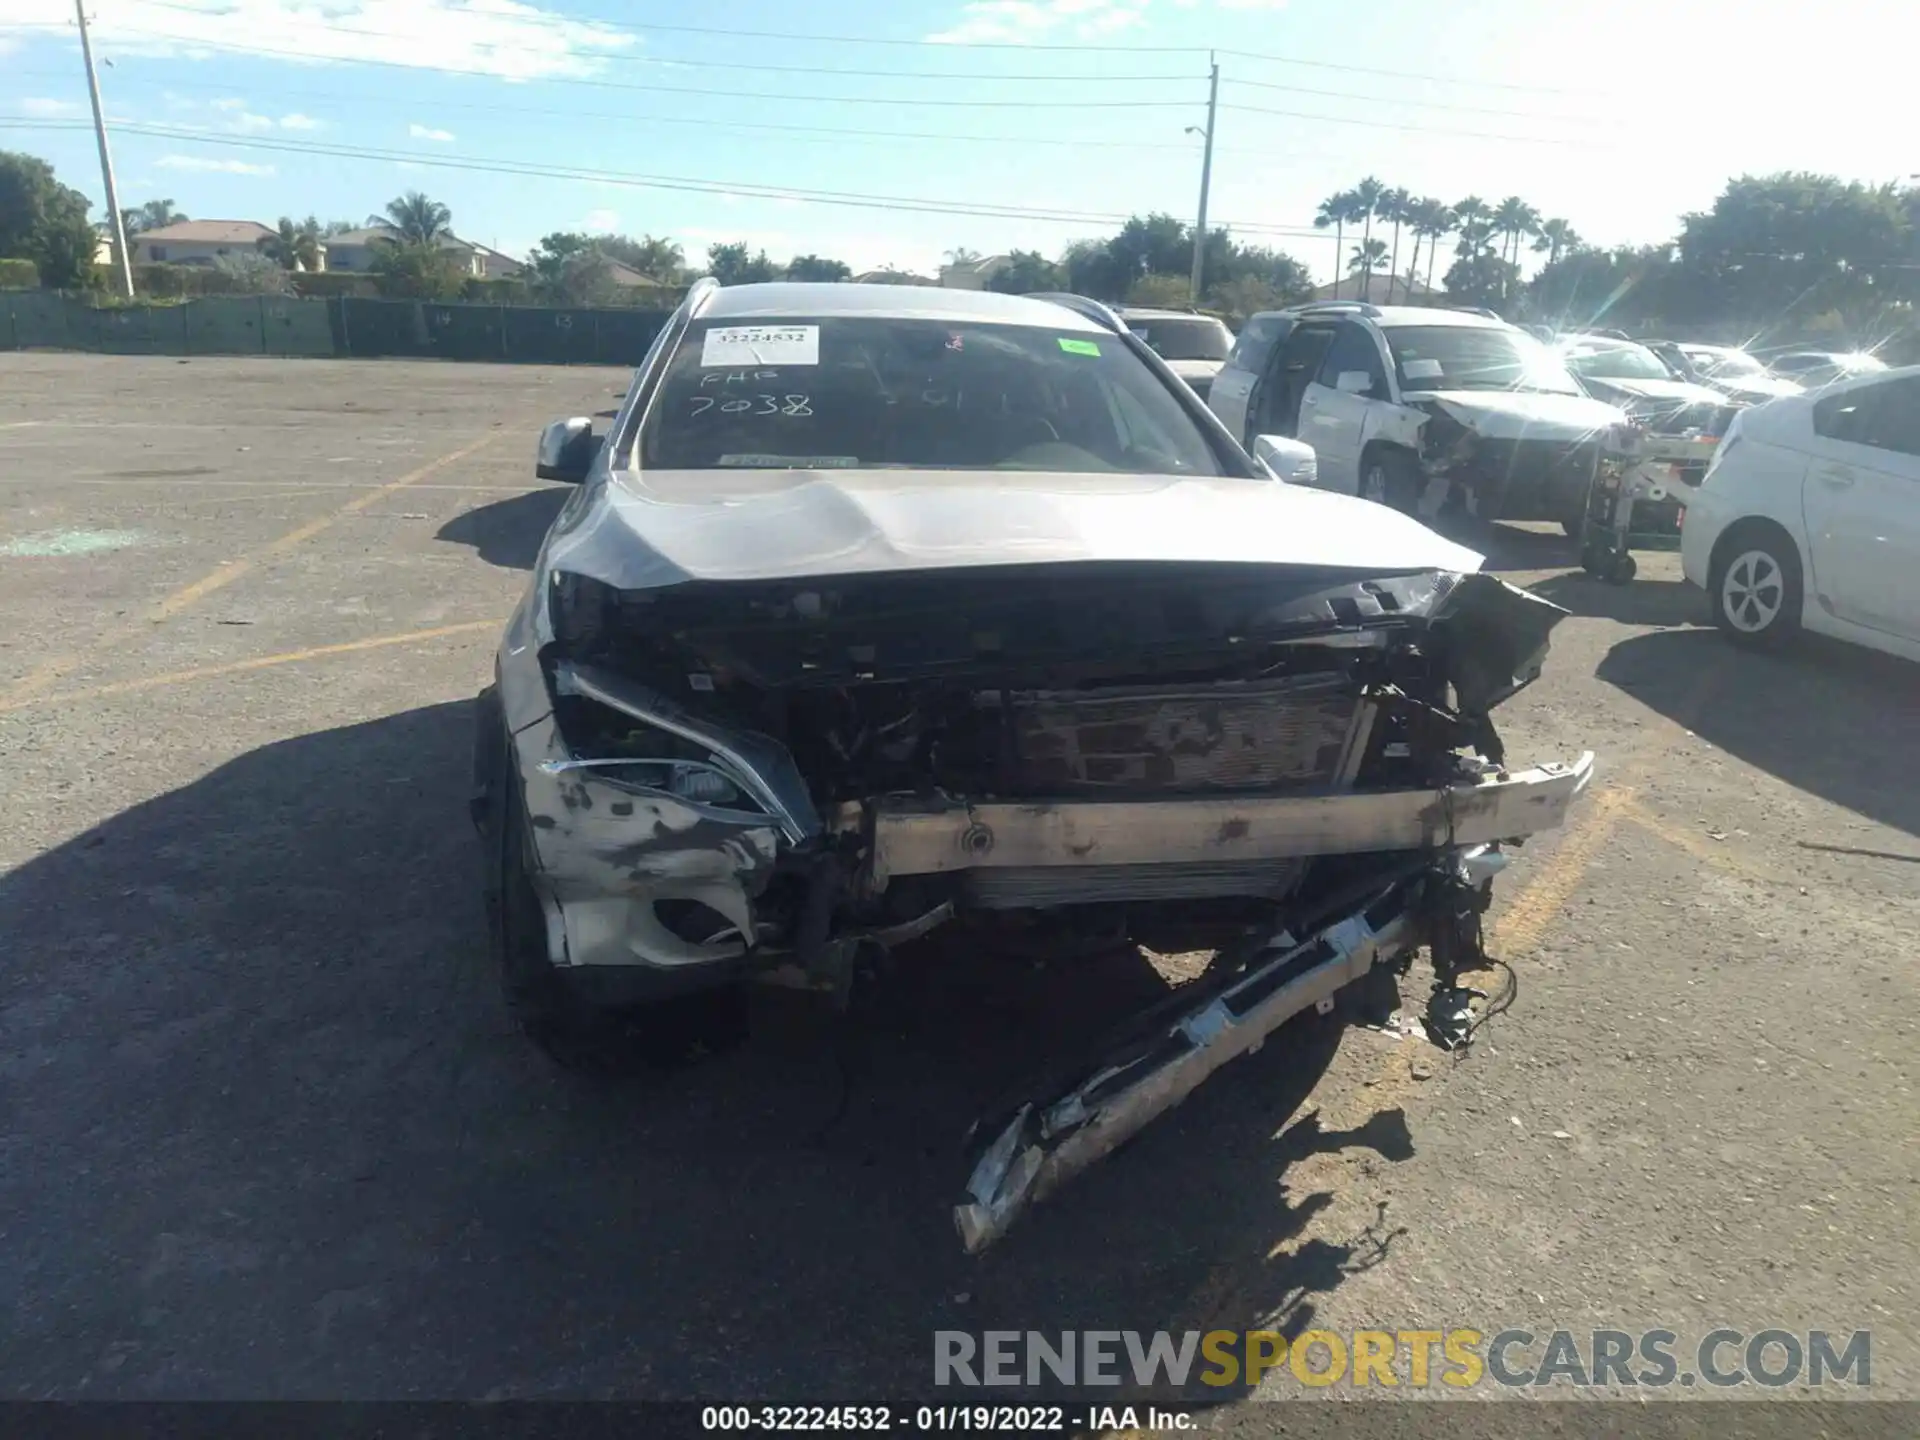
198,242
973,274
354,250
496,266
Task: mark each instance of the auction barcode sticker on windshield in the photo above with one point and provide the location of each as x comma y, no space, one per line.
1421,369
761,345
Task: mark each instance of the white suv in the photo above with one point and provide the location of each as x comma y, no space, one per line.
1405,404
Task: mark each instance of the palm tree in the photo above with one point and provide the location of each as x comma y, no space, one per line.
1395,207
296,246
1472,211
960,255
1334,211
1436,221
416,219
1366,259
1366,205
1556,238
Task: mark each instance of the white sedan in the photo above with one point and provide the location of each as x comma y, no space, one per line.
1810,516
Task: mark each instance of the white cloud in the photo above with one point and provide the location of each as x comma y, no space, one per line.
1026,21
48,109
297,121
418,131
601,222
510,39
212,166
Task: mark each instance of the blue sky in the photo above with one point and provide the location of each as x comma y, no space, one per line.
1618,117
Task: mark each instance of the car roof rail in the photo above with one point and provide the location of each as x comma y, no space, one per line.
700,293
1083,305
1338,307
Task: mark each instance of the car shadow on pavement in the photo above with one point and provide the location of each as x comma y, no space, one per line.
508,532
272,1135
1639,602
1831,719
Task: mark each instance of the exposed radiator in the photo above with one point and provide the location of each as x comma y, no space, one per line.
1009,889
1236,735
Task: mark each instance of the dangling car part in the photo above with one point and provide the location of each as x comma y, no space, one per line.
877,609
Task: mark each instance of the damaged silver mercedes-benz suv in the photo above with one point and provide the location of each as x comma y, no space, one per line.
880,607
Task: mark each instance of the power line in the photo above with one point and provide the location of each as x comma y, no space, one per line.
1425,129
545,170
624,60
1398,100
838,133
1404,74
696,90
728,32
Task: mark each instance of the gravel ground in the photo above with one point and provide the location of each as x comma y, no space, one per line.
268,1134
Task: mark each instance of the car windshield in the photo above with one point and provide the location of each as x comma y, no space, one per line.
1616,362
872,392
1198,337
1463,357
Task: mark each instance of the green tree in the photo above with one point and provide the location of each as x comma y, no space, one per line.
654,256
1027,272
295,246
1333,212
1367,257
248,272
731,264
45,221
1472,213
413,271
1478,278
151,215
818,268
416,219
1556,238
1168,291
1245,296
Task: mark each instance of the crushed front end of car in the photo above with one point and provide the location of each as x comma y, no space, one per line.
772,777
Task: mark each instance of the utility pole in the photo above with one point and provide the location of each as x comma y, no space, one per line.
122,262
1206,177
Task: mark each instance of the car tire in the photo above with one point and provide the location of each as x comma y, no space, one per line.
1391,478
1754,586
537,998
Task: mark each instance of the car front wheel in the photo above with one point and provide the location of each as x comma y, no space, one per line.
1755,587
1391,479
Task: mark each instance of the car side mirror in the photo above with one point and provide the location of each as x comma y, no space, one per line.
1354,382
1290,461
567,450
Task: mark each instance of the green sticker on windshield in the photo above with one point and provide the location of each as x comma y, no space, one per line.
1079,347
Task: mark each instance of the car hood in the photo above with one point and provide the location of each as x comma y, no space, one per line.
1523,414
1684,391
645,531
1757,387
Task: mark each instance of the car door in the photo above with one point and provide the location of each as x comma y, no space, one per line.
1862,505
1350,382
1235,388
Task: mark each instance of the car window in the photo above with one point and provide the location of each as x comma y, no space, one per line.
1462,357
1200,337
1256,342
871,392
1615,360
1353,349
1885,416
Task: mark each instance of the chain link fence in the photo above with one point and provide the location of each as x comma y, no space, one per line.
340,326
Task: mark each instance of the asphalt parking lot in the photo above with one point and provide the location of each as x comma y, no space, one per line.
267,1132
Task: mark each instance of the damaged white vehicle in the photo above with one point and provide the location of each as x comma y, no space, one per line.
881,606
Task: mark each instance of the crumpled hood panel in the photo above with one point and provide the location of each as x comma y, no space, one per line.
643,531
1523,414
1681,390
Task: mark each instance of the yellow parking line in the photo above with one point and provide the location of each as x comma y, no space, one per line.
45,674
240,667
